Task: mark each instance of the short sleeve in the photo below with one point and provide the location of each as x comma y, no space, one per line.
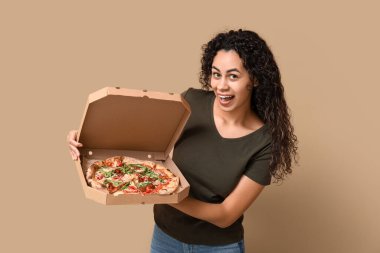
184,93
258,166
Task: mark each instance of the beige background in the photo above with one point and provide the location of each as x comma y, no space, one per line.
54,53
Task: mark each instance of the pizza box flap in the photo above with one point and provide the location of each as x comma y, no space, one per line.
137,120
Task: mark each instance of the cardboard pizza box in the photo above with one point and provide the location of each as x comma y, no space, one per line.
136,123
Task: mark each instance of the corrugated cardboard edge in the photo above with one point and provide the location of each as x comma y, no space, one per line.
142,93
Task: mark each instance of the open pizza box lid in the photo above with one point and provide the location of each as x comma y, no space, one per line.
137,123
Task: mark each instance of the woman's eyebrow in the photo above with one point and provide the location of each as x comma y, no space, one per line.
230,70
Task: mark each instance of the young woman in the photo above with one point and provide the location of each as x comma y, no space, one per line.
238,137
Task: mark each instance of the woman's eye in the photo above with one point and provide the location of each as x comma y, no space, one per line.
216,75
233,77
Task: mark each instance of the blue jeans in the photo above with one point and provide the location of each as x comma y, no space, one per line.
163,243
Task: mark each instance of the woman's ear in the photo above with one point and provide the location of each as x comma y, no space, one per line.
254,84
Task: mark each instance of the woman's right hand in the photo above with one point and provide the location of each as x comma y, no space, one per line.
73,144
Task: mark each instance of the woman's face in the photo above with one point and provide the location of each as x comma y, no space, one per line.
230,81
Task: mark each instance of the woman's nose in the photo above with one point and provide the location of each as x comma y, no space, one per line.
222,84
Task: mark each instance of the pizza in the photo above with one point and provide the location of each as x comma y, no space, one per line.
125,175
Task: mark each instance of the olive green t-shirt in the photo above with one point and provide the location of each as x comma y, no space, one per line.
213,165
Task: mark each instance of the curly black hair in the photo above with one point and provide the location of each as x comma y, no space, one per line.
267,100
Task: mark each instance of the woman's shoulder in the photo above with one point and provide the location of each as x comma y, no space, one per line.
196,93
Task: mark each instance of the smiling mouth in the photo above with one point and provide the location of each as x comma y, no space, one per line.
225,98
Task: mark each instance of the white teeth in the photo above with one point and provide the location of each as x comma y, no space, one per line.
224,97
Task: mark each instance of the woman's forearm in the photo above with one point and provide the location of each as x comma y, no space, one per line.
227,212
213,213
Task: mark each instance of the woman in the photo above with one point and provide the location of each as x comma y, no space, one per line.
237,138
